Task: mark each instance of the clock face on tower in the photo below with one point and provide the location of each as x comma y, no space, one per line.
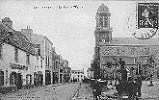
143,22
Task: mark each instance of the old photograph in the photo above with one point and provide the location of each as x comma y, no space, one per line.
79,50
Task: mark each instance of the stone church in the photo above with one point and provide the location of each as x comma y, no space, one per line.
133,51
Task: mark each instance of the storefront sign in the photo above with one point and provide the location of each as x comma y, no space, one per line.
18,66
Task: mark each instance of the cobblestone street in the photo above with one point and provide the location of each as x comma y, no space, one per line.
50,92
84,93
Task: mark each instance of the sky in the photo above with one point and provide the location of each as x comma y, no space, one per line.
70,25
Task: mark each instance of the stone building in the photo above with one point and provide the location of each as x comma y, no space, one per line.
77,75
16,57
135,52
55,69
39,68
66,71
45,53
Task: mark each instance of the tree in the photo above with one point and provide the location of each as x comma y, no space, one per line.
96,67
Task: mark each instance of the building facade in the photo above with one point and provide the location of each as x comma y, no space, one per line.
45,52
38,72
55,69
77,75
16,57
28,59
66,71
135,52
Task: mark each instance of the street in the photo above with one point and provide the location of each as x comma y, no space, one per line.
69,91
148,93
50,92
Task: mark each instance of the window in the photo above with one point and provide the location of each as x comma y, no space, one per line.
105,21
37,58
1,78
28,79
41,63
16,54
28,59
101,21
1,51
46,60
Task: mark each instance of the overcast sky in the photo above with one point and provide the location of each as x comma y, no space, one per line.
70,28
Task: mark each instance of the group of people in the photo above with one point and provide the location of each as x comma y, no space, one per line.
129,85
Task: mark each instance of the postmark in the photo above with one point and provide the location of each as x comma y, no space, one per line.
143,22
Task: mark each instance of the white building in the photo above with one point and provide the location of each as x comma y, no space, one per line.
16,57
39,70
90,73
45,53
77,75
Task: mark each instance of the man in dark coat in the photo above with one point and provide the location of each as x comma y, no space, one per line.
96,89
130,87
123,70
139,82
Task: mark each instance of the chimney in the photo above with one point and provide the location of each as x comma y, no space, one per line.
7,22
27,32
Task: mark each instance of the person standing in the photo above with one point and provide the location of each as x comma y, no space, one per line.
139,81
130,88
123,70
96,89
120,89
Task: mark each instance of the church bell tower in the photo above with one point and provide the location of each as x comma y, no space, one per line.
103,31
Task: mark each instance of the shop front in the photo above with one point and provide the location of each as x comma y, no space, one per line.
16,75
55,77
16,79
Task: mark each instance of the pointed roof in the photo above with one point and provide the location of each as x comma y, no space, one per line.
103,9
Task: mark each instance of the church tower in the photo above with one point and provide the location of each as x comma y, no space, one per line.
103,31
